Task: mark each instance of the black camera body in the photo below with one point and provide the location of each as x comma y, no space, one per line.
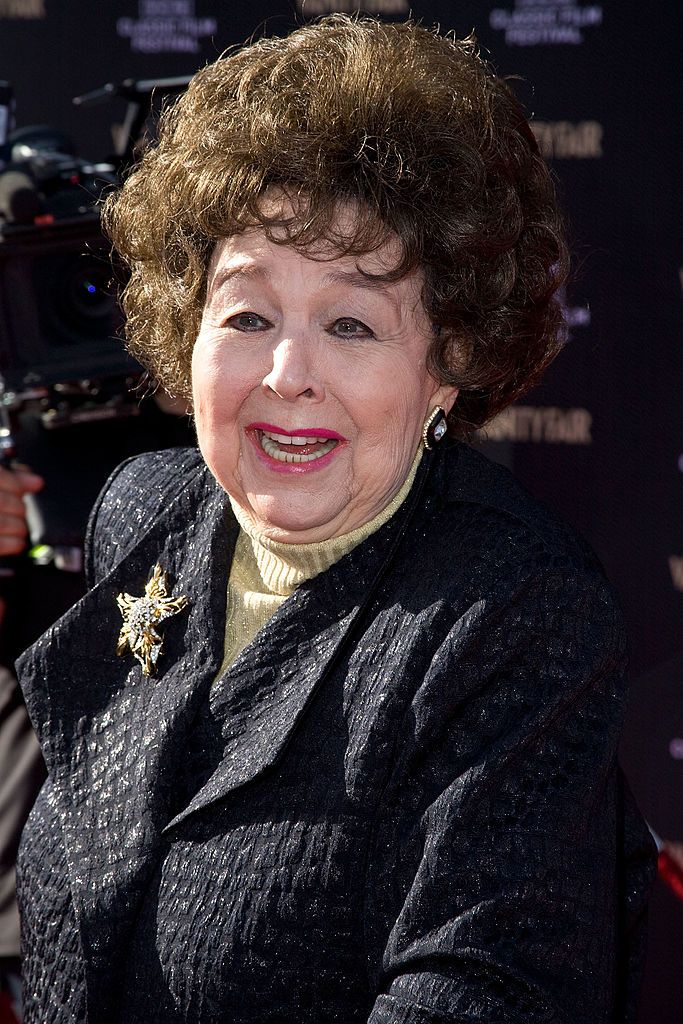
62,359
60,322
59,318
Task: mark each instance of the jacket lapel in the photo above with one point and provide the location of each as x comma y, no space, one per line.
260,701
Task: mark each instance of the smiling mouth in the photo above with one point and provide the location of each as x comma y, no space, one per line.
295,447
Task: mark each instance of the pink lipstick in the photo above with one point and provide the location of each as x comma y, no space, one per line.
304,450
300,432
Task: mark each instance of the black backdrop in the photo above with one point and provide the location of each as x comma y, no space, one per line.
601,440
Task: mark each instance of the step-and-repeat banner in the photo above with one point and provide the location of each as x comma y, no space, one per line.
601,440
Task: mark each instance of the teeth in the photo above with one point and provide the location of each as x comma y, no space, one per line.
270,447
287,439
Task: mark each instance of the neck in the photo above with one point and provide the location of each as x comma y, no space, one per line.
283,566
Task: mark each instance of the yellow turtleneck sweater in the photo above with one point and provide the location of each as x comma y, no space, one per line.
265,572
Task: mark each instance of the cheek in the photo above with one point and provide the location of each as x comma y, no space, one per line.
217,388
386,386
202,375
402,398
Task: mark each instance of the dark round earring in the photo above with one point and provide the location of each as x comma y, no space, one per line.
435,428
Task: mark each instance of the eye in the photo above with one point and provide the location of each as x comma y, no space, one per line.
248,322
348,327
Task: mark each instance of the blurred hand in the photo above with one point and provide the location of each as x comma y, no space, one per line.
14,484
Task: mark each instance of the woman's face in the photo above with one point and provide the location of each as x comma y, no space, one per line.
310,385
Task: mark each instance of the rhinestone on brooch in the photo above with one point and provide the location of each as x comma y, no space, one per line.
141,616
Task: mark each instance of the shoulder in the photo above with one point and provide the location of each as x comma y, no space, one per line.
485,518
521,617
136,493
498,563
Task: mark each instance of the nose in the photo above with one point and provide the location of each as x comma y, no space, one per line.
293,372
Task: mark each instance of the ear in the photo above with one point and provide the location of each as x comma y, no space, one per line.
445,396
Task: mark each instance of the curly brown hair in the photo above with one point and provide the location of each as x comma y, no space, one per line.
413,127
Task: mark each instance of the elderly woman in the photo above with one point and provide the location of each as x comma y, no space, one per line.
332,737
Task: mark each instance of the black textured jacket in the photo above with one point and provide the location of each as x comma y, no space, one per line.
399,805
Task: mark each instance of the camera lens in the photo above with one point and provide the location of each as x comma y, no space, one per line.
87,291
61,306
77,299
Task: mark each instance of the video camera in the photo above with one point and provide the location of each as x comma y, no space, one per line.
60,324
62,360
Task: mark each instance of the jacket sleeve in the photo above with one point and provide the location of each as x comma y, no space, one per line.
494,889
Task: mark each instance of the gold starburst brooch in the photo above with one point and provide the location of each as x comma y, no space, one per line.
140,617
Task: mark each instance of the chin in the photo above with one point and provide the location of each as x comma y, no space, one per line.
292,525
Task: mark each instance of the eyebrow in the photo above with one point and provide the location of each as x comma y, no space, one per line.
248,270
357,279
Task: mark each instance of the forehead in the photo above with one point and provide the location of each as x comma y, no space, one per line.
257,251
252,256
